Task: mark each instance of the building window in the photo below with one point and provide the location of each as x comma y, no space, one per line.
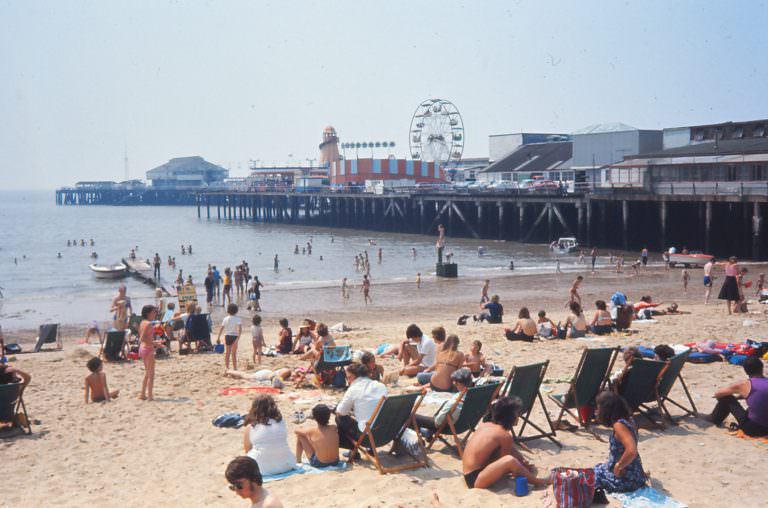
506,177
698,135
554,175
759,131
738,133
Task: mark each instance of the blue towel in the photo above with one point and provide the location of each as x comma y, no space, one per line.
382,348
646,497
304,468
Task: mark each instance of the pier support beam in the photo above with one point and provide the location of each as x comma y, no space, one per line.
500,206
757,226
625,224
588,205
580,221
663,217
520,221
707,225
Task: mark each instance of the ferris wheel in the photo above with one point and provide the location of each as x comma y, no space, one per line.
437,132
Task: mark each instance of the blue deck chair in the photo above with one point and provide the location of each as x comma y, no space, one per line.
330,368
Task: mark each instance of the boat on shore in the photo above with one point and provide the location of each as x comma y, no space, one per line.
689,260
114,271
566,245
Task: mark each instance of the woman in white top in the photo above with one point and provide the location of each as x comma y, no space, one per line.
266,438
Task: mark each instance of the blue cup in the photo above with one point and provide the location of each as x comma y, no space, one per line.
521,486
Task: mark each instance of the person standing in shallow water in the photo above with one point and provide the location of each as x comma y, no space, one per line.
366,289
277,263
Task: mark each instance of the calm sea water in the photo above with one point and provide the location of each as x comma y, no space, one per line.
41,287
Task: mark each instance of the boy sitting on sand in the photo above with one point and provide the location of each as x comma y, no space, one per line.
319,444
96,383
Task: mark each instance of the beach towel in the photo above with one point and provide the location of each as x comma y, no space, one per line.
304,468
703,357
242,390
380,349
762,442
646,497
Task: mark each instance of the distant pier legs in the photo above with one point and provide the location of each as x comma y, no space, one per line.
521,221
625,223
757,226
663,217
707,225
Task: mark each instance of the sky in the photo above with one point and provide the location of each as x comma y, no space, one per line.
82,83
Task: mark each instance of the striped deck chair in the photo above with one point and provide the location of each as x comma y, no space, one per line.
641,385
590,379
11,401
475,403
666,383
391,417
525,382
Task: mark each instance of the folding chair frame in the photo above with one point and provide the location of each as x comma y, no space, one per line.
460,443
573,393
526,417
373,455
25,429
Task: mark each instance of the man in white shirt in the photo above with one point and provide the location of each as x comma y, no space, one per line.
358,404
417,352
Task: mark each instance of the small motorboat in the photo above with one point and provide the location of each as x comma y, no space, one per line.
114,271
566,245
690,259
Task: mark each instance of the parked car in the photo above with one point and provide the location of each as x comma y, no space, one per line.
503,185
544,185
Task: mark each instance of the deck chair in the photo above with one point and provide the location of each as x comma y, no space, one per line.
10,403
134,320
48,334
525,382
392,416
475,403
333,360
641,385
197,332
590,379
113,348
672,372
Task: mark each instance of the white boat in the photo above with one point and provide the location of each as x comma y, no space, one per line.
114,271
567,245
689,260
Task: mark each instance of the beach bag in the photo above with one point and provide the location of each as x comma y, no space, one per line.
573,487
339,379
12,349
623,317
737,359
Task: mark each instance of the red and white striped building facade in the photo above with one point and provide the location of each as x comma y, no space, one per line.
357,171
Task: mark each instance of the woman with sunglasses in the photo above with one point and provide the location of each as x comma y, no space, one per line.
245,480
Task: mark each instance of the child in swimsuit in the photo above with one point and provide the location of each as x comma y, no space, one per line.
96,383
475,360
147,350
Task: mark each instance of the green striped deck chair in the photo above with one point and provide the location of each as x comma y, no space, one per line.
672,373
391,417
641,385
525,382
475,403
10,403
590,379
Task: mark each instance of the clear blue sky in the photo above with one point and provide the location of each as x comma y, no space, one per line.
239,80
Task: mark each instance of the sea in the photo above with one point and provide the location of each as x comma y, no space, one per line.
38,286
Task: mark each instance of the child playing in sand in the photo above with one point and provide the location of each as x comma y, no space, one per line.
686,278
96,383
320,444
257,336
232,328
93,329
484,292
475,360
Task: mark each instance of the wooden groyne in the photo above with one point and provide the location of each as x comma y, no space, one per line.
143,271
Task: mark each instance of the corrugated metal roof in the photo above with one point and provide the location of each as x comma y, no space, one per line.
534,157
722,147
600,128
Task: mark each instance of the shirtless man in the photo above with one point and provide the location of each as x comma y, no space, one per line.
573,293
484,292
475,360
366,289
321,443
121,306
491,454
96,383
708,279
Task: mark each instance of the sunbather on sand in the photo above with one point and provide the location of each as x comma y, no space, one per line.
491,454
321,442
96,383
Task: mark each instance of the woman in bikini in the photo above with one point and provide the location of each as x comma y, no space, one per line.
448,361
147,350
602,323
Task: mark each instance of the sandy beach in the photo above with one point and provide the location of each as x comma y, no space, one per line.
167,452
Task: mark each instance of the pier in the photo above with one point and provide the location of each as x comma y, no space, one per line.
722,221
78,196
143,272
